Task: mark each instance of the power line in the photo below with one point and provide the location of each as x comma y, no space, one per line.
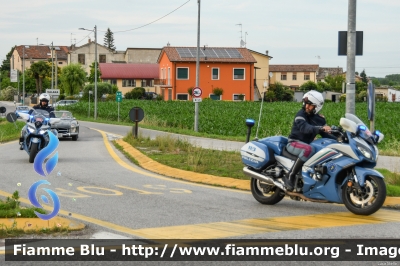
154,20
83,38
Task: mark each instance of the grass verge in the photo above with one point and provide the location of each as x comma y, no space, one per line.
180,154
9,131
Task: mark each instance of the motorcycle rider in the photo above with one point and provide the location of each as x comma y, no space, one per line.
44,99
306,125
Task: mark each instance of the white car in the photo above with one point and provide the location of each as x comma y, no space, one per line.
64,103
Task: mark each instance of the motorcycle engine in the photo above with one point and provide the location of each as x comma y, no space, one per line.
274,171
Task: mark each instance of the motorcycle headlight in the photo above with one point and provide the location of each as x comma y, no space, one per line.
31,129
42,132
364,151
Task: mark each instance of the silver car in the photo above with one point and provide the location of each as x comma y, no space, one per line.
68,125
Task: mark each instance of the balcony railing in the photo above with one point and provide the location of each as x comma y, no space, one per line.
162,82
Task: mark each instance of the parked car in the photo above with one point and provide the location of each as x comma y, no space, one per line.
64,103
21,109
149,95
68,126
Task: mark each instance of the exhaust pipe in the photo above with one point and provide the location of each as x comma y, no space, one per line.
263,178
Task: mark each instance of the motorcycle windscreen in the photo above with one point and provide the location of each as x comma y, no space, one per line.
257,155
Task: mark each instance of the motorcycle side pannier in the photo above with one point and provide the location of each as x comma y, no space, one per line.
257,155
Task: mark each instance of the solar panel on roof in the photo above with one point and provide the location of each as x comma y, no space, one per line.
191,52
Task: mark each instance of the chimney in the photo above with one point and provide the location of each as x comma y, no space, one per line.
89,40
266,52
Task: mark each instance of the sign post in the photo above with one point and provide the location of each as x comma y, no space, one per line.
119,99
90,92
136,114
52,93
371,106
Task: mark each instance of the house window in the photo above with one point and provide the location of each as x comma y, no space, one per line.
215,97
283,76
294,77
238,73
215,73
111,81
239,97
306,76
147,83
81,59
128,83
60,63
102,58
182,73
182,97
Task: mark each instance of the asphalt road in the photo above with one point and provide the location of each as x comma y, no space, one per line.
95,188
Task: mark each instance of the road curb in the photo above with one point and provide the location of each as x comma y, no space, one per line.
228,182
39,225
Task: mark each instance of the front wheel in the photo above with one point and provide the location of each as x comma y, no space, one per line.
33,152
266,193
368,199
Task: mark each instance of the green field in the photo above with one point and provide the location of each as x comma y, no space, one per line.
227,119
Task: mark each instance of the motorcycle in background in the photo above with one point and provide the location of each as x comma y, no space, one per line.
340,171
35,134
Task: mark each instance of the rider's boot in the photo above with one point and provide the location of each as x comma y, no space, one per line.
21,141
291,176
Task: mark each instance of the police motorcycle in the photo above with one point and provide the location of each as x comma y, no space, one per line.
35,134
340,171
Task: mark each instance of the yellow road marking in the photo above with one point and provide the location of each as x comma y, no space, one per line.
139,190
113,191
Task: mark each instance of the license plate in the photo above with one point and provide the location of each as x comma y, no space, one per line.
60,135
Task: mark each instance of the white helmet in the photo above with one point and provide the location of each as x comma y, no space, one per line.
314,98
44,96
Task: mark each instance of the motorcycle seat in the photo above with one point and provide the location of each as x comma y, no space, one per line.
287,154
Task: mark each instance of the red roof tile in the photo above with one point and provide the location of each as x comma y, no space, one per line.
42,52
293,68
129,71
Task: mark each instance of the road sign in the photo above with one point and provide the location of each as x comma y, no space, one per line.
14,75
53,92
196,92
119,96
197,100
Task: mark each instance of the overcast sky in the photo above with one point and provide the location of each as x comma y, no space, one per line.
293,31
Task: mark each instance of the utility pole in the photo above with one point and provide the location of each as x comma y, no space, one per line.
351,58
95,72
196,104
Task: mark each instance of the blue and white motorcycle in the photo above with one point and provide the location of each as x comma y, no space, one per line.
340,171
35,134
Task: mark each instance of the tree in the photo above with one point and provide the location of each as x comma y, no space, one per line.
102,88
323,86
335,82
91,76
109,40
309,85
5,66
364,77
73,78
40,70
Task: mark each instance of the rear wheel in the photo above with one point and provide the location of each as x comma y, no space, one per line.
266,193
33,152
366,200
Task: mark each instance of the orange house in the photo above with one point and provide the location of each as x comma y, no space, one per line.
231,69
